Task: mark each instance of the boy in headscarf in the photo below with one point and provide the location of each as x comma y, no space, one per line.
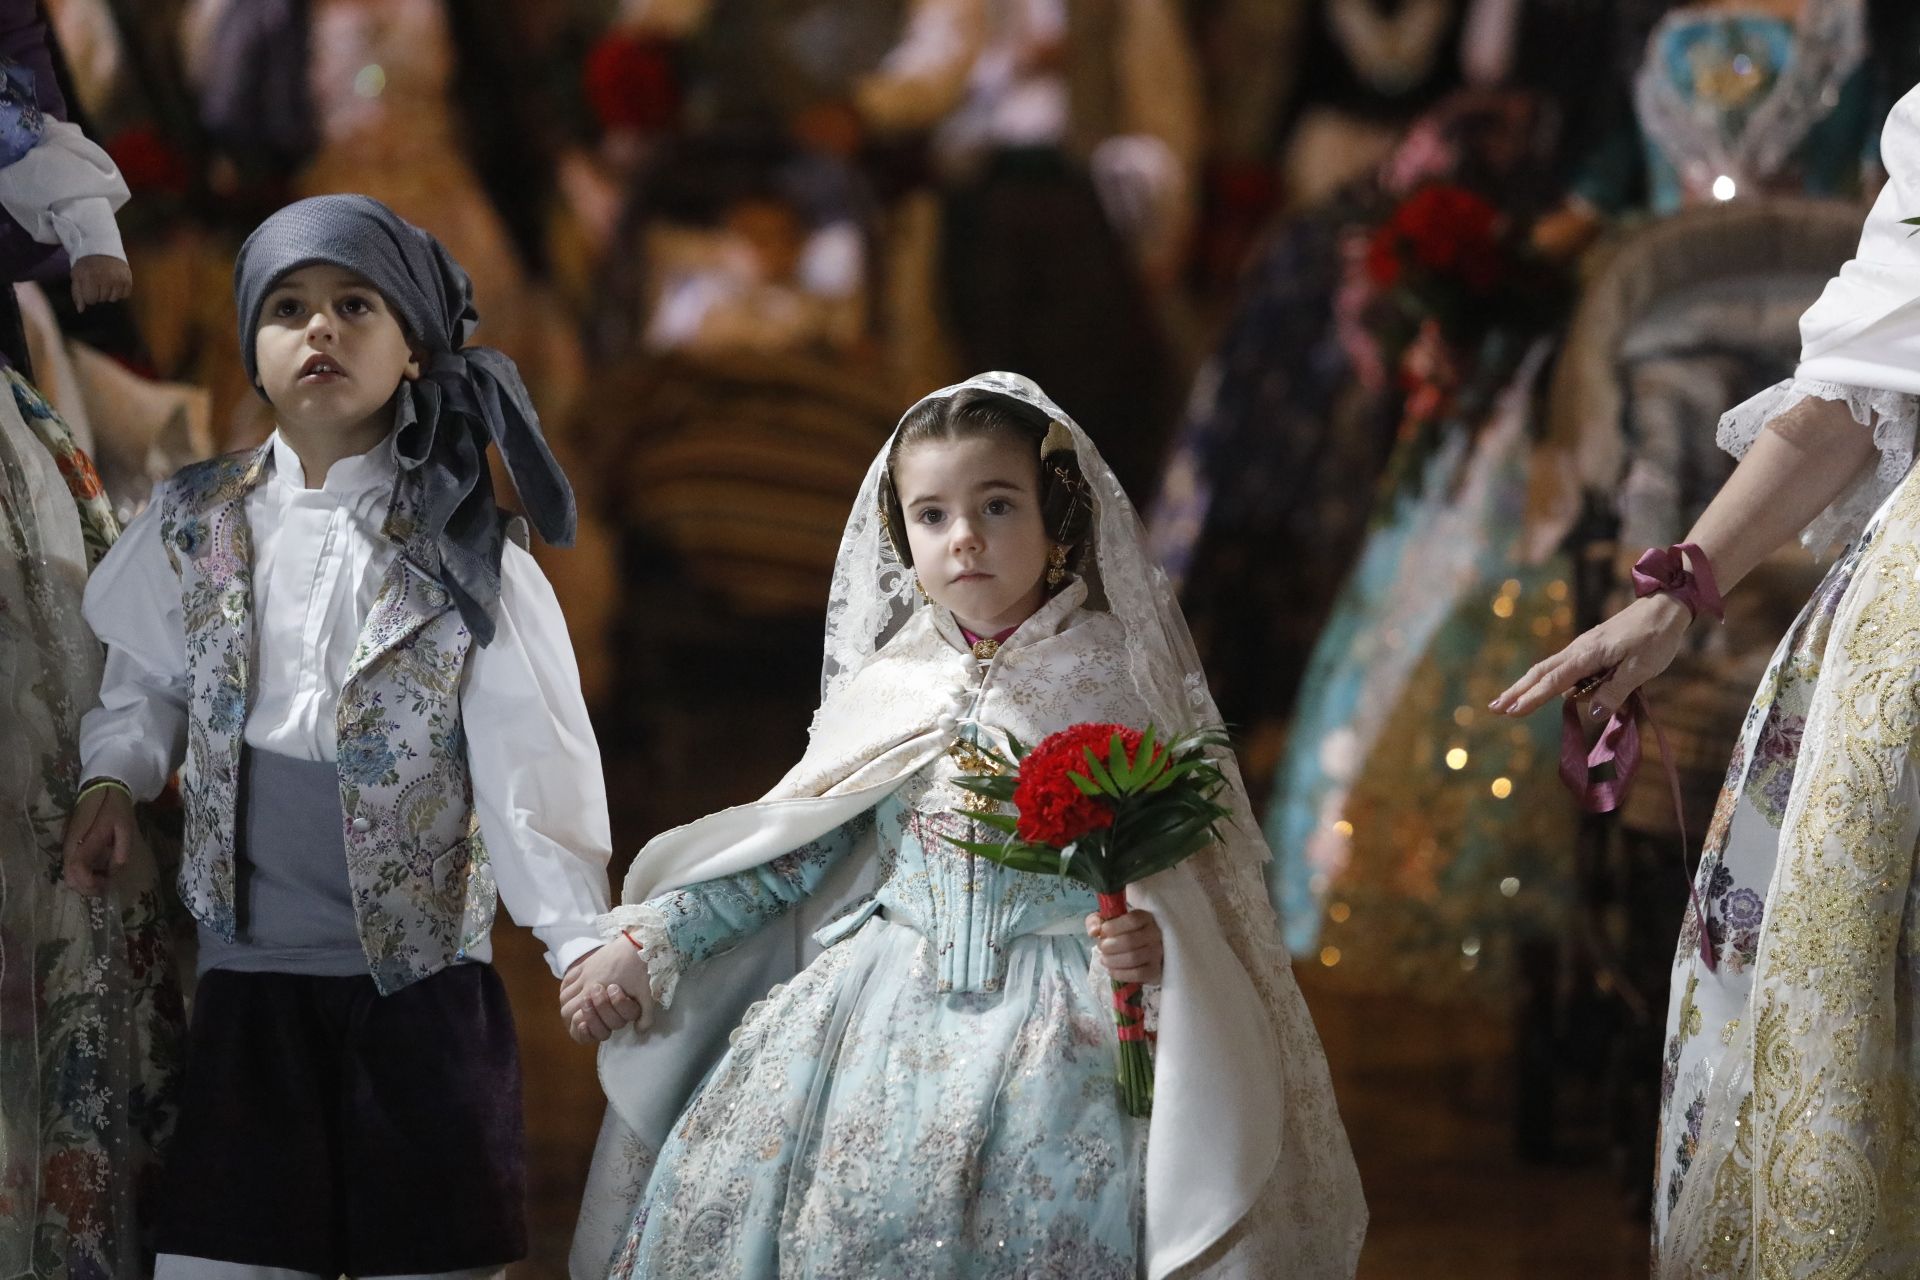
371,686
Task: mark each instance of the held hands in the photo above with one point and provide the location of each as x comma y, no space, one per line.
101,836
1130,945
605,990
1636,644
99,278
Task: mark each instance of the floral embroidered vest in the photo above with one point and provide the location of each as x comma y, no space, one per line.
423,892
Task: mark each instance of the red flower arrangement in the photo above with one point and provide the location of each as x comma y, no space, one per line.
1442,233
1452,295
1107,806
630,84
148,162
1053,811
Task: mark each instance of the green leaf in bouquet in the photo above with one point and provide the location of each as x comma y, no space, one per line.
992,786
1119,766
1144,763
1150,831
1126,772
1038,859
1188,768
1161,858
1197,806
1201,742
994,758
1143,813
1017,855
980,848
1167,845
1099,771
1084,784
1092,867
1014,746
1006,822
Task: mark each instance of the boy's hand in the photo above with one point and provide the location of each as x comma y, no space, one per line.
604,991
101,836
1130,946
99,278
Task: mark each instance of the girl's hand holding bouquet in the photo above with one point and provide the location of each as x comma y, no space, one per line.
1108,806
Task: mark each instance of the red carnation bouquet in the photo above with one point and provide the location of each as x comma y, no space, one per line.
1442,258
1453,296
1105,805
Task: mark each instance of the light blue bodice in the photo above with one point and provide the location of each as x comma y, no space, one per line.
968,908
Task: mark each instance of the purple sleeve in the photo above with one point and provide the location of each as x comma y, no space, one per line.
23,39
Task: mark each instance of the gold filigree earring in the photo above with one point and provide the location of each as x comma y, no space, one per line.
1056,565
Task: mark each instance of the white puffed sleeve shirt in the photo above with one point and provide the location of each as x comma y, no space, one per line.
319,559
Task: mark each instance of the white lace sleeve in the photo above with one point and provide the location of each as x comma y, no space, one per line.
1893,417
648,925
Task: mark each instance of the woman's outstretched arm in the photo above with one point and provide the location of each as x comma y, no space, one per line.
1803,461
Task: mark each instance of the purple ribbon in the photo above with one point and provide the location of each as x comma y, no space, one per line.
1660,571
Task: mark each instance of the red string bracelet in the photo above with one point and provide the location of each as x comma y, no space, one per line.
636,946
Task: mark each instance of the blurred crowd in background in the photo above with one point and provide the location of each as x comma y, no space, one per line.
1406,323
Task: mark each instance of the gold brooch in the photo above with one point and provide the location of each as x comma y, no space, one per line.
975,763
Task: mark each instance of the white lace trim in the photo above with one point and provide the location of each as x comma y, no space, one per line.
648,925
1894,417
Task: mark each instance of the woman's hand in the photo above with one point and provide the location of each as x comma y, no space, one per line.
1636,644
1130,946
605,990
101,835
1565,233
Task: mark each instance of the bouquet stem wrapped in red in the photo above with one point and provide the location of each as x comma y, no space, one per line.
1130,1026
1107,806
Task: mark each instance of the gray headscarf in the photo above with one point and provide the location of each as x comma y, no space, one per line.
465,396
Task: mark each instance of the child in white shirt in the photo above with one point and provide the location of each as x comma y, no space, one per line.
379,713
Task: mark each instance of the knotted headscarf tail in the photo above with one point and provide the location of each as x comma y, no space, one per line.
465,396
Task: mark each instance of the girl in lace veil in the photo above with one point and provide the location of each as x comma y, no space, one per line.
931,1094
1791,1073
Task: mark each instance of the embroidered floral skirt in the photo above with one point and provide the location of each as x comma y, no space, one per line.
863,1124
91,1016
1789,1142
